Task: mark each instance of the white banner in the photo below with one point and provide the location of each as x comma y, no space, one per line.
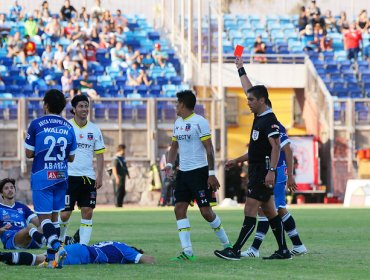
304,154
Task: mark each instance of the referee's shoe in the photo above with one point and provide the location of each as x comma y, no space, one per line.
228,254
279,255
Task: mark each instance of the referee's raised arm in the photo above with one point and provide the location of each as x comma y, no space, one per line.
246,83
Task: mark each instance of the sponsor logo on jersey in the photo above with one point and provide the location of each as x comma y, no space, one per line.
55,130
20,210
90,136
255,134
183,137
55,175
202,193
187,127
6,216
81,136
92,195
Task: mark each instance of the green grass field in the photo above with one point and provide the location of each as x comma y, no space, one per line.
337,239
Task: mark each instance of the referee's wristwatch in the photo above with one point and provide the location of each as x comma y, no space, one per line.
272,169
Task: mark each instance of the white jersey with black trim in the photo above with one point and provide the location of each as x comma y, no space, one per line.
89,140
189,134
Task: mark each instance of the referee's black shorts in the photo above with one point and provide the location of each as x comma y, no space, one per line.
192,185
81,189
256,184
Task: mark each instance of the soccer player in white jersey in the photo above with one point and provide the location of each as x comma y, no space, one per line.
82,181
196,176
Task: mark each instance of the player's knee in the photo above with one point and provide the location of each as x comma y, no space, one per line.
86,213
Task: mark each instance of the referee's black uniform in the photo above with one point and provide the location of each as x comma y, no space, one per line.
264,126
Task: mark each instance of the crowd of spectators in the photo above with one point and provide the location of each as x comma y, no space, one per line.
67,43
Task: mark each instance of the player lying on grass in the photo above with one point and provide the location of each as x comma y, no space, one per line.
100,253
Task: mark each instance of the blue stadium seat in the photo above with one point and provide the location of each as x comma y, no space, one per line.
99,111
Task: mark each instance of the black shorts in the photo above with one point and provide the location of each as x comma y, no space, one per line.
192,185
81,189
256,184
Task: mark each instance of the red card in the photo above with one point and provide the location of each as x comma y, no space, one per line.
238,50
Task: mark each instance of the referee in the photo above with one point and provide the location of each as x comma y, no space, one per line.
263,156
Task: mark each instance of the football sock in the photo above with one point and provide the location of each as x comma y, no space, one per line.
290,228
37,236
85,231
63,229
57,228
248,226
278,230
183,227
262,228
220,231
49,231
18,258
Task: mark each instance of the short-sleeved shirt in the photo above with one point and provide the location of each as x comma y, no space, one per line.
284,140
189,134
264,126
18,215
89,141
52,139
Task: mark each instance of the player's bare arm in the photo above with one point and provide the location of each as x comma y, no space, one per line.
172,154
291,184
212,180
246,83
274,158
99,173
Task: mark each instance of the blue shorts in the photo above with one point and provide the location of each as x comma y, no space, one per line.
51,199
279,188
77,254
8,240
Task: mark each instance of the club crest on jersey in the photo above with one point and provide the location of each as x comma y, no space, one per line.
90,136
55,175
202,193
255,135
187,127
20,210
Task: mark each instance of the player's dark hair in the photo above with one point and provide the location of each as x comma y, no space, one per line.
76,99
259,92
121,147
139,250
4,181
268,103
55,100
187,97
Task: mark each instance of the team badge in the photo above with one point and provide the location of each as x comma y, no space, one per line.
255,134
90,136
187,127
202,193
20,210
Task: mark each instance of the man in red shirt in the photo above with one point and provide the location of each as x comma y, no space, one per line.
352,40
29,46
90,51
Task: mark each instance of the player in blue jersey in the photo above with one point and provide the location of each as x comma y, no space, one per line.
76,254
18,224
51,142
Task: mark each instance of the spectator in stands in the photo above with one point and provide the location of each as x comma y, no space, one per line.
16,47
77,54
120,35
308,39
362,22
117,55
259,47
319,35
29,46
15,12
120,20
132,56
352,41
34,74
68,63
330,22
3,21
84,16
68,30
45,11
107,18
47,55
67,12
52,31
104,37
160,57
97,10
303,18
342,22
31,26
313,9
86,29
59,56
326,43
87,88
366,51
90,51
67,84
147,61
77,34
137,76
318,19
